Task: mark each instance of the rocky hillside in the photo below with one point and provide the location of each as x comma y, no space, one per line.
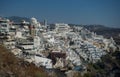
10,66
109,66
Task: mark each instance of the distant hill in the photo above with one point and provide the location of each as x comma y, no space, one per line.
107,32
18,19
103,30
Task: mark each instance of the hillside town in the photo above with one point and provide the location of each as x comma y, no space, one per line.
63,47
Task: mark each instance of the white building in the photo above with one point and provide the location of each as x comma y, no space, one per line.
61,27
40,61
4,25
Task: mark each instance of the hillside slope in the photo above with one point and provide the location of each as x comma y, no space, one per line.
10,66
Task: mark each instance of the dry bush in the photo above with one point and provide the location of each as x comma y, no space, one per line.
10,66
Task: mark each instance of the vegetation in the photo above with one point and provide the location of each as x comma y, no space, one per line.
109,66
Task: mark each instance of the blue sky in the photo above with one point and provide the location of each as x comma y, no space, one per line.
104,12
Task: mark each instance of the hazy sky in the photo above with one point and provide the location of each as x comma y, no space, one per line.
104,12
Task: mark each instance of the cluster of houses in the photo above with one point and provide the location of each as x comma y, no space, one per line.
63,47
